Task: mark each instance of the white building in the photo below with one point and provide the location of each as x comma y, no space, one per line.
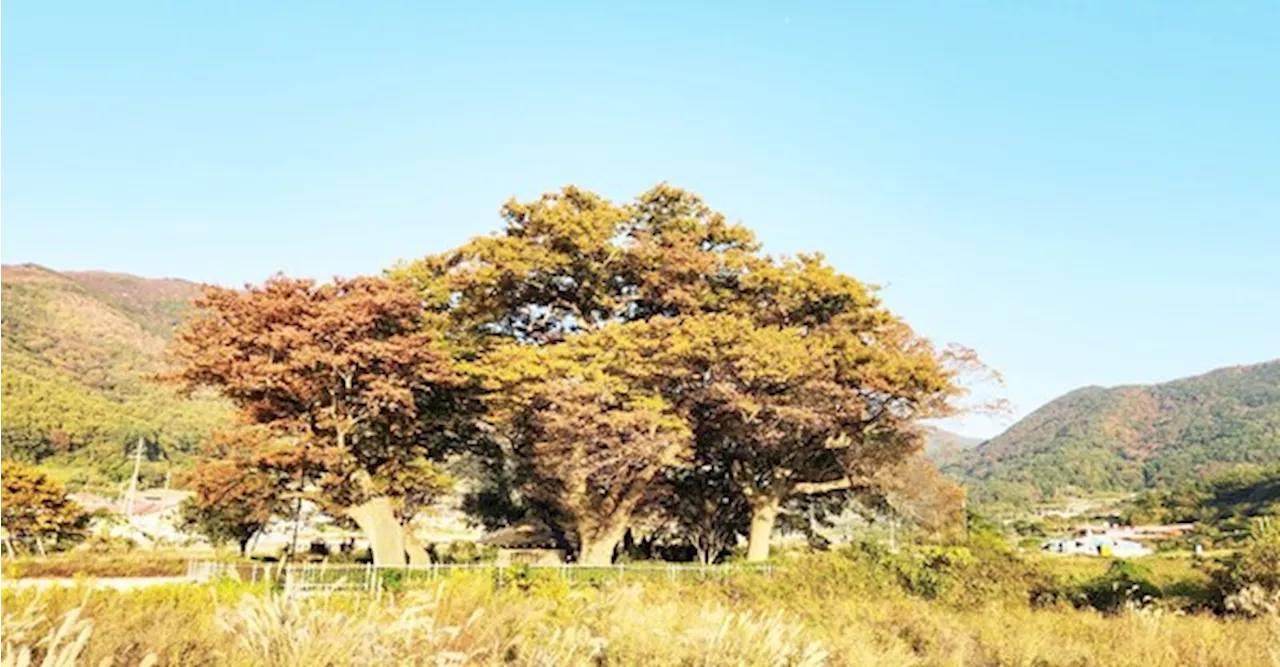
1096,545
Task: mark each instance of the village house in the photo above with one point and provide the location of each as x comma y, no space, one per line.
1119,541
150,518
525,544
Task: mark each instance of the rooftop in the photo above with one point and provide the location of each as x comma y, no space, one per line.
522,536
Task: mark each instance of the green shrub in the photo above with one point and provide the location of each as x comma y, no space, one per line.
107,544
955,575
461,551
1248,581
392,580
1124,585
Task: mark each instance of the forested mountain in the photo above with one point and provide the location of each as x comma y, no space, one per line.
1132,437
78,353
942,445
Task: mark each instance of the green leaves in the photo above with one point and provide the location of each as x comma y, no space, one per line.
79,349
1132,438
35,507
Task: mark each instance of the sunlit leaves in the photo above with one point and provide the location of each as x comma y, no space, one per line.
35,507
350,372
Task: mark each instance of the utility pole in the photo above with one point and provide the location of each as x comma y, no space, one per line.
133,482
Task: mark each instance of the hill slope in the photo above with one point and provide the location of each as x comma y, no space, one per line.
1132,437
942,445
78,350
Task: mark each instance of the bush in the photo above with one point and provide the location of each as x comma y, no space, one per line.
1248,581
392,580
1124,586
462,552
103,544
958,576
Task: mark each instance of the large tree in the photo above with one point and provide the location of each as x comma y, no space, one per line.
802,410
354,377
568,265
791,375
589,443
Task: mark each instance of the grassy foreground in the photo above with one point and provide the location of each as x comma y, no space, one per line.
823,610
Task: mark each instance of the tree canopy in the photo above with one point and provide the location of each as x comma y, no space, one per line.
351,376
35,509
791,372
234,501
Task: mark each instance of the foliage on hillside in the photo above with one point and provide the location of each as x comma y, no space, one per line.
79,350
941,445
1131,438
1227,502
158,304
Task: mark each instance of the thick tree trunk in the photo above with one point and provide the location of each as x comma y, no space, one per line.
378,521
417,553
764,514
596,547
596,552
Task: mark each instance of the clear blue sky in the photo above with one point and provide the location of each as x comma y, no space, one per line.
1086,192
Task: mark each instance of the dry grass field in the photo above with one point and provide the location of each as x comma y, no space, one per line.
820,610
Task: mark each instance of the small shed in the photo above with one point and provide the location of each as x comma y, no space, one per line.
525,544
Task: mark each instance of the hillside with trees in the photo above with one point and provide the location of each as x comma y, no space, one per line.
1222,503
80,350
1132,438
941,445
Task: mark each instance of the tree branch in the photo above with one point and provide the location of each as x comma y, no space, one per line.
842,484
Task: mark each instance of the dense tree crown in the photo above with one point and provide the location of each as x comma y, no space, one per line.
36,511
348,366
789,373
350,376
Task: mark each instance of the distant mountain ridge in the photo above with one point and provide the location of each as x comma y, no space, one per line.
943,445
156,304
79,348
1130,438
